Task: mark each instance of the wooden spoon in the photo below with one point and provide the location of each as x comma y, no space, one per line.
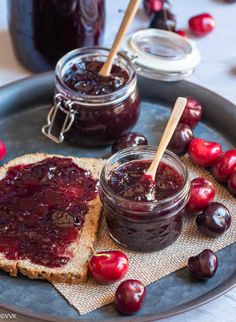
169,130
128,17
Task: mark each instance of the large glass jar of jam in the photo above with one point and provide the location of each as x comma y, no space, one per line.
135,222
90,109
42,31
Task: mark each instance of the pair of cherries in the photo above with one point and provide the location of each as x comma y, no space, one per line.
209,154
109,267
163,18
213,218
183,134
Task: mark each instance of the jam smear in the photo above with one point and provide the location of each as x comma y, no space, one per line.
83,78
130,182
42,209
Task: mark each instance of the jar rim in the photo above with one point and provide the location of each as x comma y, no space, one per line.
94,51
151,149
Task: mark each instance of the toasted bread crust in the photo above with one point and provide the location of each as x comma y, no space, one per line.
82,248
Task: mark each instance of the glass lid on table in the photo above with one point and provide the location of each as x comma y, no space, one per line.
162,55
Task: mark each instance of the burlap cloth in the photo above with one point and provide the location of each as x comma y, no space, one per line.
150,267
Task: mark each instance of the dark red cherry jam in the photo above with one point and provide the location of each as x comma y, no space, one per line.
129,181
143,215
104,107
84,78
42,209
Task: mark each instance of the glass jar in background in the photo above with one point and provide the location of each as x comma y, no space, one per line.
143,226
42,31
93,120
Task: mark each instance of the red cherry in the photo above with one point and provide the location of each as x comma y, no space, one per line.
192,113
232,183
202,192
201,24
129,296
181,33
204,153
225,165
151,6
108,267
3,150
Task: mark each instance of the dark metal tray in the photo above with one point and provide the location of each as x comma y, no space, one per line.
23,109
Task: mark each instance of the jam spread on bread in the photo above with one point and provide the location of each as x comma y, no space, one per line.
83,77
42,210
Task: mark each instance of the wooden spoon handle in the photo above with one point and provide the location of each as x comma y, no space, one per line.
128,17
167,135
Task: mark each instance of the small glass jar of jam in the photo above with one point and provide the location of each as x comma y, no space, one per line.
93,110
136,221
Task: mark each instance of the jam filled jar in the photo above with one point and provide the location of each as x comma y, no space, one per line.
90,109
144,221
42,31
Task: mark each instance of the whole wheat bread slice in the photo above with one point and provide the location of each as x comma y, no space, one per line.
75,270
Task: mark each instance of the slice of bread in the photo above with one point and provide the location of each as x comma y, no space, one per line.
75,270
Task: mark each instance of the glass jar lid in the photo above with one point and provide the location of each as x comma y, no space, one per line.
162,55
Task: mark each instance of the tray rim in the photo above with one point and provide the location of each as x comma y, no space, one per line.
206,298
221,289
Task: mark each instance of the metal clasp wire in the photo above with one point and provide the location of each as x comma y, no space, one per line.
69,118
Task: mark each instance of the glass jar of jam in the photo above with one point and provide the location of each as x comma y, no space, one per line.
90,109
134,220
42,31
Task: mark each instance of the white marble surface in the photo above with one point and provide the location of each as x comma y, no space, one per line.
217,72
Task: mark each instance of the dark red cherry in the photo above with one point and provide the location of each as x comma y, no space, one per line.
129,296
214,220
202,192
204,153
225,165
129,139
192,113
232,183
163,19
201,24
180,140
204,265
230,1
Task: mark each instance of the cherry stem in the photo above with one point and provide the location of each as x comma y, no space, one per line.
102,254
